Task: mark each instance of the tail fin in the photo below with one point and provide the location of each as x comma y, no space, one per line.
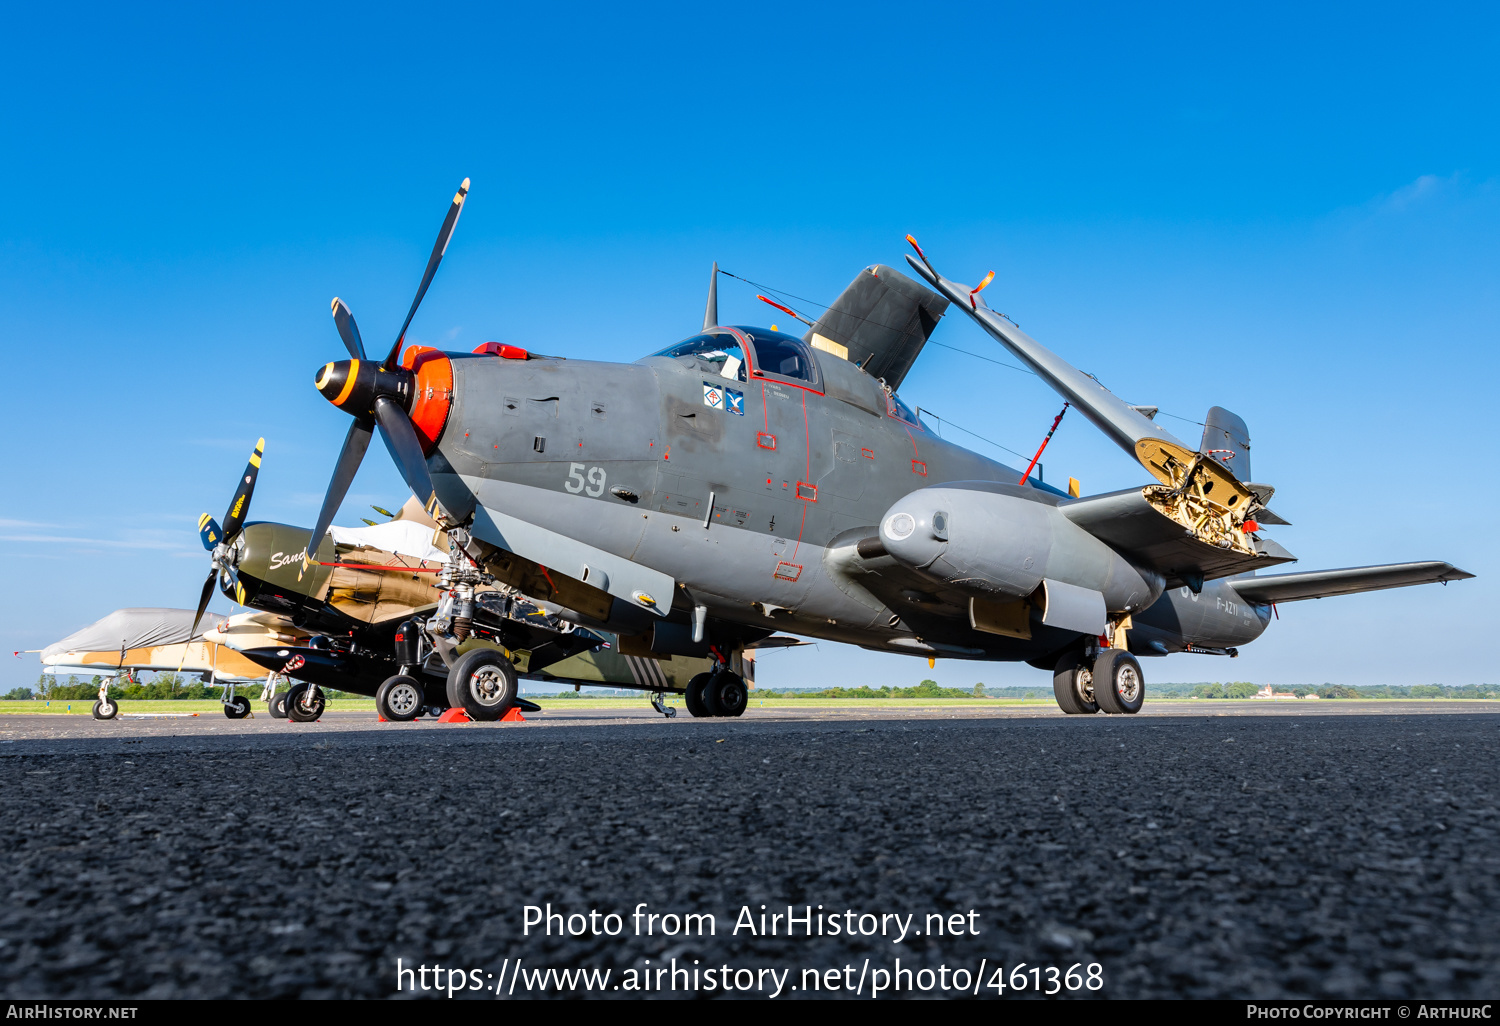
1227,439
883,319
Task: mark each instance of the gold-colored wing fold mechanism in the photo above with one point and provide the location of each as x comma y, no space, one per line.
1200,494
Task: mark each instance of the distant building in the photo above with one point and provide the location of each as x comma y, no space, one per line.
1269,693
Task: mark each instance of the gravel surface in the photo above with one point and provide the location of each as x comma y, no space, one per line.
1246,856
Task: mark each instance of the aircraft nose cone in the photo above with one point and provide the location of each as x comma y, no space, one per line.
335,381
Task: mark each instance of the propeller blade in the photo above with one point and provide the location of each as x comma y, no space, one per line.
401,439
208,593
438,249
343,319
235,518
209,531
355,444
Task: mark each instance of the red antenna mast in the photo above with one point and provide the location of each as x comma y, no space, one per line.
1056,421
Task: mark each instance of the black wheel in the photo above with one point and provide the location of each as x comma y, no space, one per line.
726,694
304,703
1119,685
400,699
1073,685
237,709
483,684
694,697
277,706
104,709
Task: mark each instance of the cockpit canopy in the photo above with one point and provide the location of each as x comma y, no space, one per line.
775,354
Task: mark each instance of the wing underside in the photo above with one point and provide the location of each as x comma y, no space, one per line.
1315,584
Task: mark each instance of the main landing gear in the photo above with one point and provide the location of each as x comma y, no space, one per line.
720,693
1110,680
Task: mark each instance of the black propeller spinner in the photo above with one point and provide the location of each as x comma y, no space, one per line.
219,541
378,394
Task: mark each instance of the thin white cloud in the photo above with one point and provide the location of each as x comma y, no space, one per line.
1423,188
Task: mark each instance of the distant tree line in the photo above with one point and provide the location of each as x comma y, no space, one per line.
1244,689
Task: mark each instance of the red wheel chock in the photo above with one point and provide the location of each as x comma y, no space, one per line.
512,715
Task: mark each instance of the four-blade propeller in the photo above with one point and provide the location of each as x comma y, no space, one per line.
378,395
219,541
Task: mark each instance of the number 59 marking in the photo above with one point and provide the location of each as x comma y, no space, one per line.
576,481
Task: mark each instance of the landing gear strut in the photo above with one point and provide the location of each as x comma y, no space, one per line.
658,702
104,709
304,702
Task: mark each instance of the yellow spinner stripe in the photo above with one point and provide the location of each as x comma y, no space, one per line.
348,383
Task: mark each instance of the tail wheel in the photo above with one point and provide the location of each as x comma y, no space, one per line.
400,699
304,703
694,698
237,709
483,684
1073,685
726,694
104,709
1119,684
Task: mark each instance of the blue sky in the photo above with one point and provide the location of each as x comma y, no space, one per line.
1293,214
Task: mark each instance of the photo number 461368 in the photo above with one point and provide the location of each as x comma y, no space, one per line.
590,484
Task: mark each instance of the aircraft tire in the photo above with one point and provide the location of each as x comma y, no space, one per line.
694,697
296,710
277,706
483,684
238,709
1070,686
106,710
730,696
1119,685
400,699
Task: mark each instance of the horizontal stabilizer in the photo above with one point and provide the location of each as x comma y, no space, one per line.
1350,581
883,319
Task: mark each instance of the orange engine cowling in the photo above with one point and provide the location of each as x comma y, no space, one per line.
432,395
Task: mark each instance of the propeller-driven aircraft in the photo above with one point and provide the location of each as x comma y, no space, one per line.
745,481
130,640
347,618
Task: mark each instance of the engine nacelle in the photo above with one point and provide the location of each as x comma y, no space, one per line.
999,543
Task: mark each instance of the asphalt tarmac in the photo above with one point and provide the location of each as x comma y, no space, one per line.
1242,852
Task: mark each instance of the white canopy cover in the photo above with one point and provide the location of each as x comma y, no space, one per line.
132,628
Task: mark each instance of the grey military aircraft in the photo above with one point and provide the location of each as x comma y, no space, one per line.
745,481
